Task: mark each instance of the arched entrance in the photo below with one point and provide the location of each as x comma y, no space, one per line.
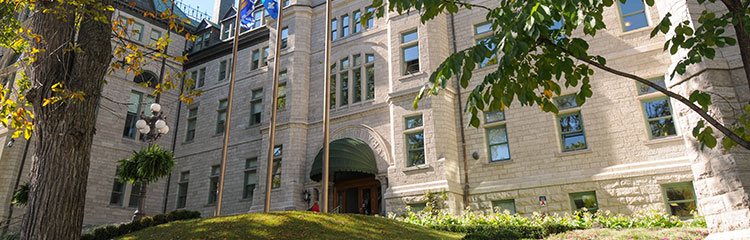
352,168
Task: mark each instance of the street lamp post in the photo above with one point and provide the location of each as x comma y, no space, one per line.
152,127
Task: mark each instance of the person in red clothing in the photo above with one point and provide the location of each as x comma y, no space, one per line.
315,207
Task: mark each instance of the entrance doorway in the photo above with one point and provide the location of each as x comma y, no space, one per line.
359,196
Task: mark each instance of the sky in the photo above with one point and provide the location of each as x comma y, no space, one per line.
206,6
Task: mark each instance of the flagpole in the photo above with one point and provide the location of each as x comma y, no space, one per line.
230,99
272,127
326,105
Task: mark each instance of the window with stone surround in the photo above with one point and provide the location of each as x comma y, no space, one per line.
213,184
251,176
221,116
227,30
410,52
417,207
344,25
497,136
570,124
135,195
657,110
356,19
414,137
255,61
284,37
334,29
256,107
225,69
276,177
257,19
193,79
118,193
136,106
482,34
356,79
182,189
501,206
632,14
584,201
192,120
155,35
264,57
281,95
201,77
680,199
370,21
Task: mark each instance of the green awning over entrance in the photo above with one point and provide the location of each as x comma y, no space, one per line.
346,155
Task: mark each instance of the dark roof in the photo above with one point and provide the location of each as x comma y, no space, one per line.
157,6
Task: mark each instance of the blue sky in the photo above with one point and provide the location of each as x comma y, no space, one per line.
206,6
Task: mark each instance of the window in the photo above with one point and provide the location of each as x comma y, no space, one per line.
182,189
414,141
264,57
657,110
276,177
497,136
501,206
222,70
134,110
255,62
417,207
281,97
251,176
146,78
371,19
286,3
410,52
369,76
201,77
680,199
334,29
333,86
357,85
118,193
206,39
155,35
227,30
633,14
192,119
137,31
344,78
213,184
344,26
584,201
221,116
257,18
570,124
284,37
482,28
256,107
135,195
482,32
194,78
357,17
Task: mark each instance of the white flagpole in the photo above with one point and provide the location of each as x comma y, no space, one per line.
326,106
272,128
227,123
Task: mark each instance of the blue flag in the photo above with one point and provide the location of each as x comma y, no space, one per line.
272,7
246,14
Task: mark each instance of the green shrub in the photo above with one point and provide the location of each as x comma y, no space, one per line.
160,219
12,236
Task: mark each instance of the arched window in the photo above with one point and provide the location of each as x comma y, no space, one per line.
147,77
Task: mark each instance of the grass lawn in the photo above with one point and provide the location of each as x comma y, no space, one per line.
634,234
291,225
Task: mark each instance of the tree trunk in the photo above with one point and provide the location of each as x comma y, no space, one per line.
64,130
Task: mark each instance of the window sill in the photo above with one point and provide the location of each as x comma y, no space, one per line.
249,126
246,200
188,142
572,153
663,140
499,162
417,168
210,205
636,31
412,76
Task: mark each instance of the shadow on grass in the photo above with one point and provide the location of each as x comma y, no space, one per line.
291,225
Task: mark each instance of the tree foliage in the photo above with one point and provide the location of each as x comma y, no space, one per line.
146,166
540,48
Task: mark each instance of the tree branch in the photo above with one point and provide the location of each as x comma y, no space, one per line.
726,131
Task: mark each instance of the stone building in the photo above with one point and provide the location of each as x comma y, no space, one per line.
126,96
628,148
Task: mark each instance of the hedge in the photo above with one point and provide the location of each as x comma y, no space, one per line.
486,231
113,231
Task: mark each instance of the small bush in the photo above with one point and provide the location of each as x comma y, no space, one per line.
160,219
12,236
